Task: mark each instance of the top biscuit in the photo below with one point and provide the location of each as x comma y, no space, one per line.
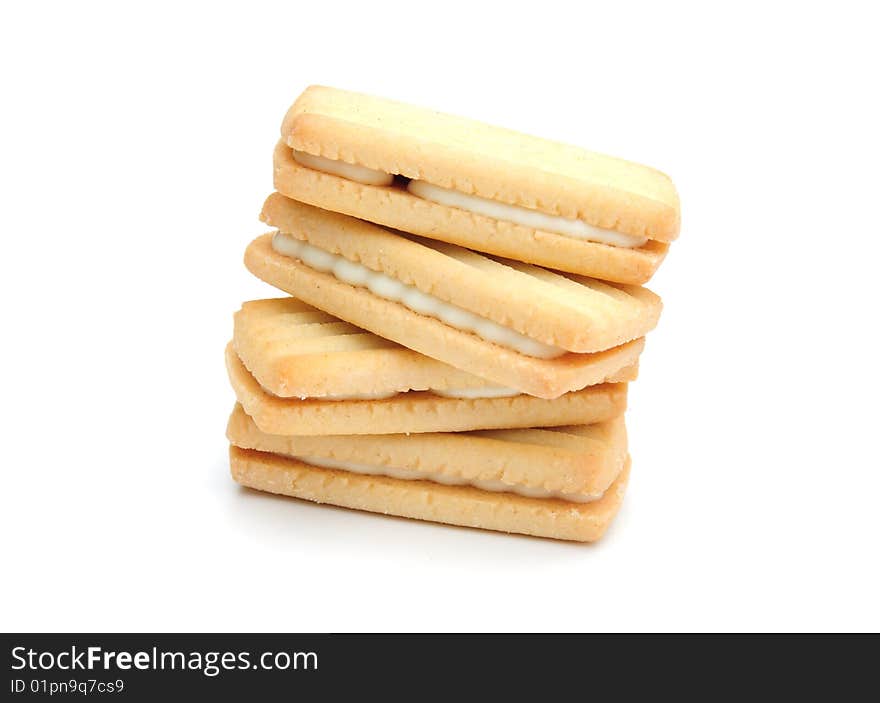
482,160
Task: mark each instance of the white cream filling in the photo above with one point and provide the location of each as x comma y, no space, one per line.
352,172
391,289
494,486
566,226
576,229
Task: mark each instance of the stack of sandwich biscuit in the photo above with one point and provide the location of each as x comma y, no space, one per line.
465,311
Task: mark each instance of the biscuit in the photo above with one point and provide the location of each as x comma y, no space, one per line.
481,343
518,177
295,350
418,411
424,500
575,463
571,312
545,378
395,207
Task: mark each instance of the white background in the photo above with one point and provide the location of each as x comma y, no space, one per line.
135,157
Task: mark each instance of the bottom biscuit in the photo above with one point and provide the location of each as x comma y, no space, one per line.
423,500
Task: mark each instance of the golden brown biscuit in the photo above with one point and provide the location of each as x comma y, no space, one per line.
571,312
575,463
295,350
485,160
492,162
424,500
419,411
533,360
393,206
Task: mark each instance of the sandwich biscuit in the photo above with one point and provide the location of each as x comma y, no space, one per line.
296,351
424,500
420,411
575,463
475,185
514,324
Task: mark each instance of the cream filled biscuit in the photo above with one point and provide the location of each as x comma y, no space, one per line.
523,307
544,378
478,186
575,463
420,411
390,288
425,500
296,351
508,322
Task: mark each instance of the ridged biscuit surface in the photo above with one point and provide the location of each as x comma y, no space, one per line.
572,312
419,411
423,500
579,459
545,378
295,350
480,159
